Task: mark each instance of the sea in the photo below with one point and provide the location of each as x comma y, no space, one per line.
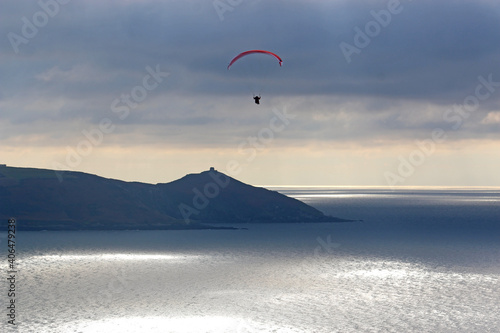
412,260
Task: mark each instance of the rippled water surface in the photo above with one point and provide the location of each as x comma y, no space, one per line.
420,261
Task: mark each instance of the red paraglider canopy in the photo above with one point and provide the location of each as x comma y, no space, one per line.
253,51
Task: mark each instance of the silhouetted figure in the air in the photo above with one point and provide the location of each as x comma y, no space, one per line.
257,99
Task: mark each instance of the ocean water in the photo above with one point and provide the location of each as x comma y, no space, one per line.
422,260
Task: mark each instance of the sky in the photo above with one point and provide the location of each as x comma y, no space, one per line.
370,93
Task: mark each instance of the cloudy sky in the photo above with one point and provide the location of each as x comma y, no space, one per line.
385,93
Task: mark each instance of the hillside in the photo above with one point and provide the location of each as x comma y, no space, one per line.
40,201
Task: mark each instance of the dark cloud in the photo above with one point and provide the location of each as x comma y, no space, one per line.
92,52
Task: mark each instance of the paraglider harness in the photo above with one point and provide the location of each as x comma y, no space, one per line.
257,99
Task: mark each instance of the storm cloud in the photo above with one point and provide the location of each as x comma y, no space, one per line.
370,74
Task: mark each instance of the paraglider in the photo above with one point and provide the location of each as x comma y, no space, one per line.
243,54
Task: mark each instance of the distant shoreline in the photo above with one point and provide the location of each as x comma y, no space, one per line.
194,226
125,228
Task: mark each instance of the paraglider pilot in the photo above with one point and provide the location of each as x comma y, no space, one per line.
257,99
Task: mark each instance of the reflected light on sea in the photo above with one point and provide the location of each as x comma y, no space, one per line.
152,324
113,257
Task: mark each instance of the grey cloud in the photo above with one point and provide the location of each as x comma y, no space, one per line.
431,53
